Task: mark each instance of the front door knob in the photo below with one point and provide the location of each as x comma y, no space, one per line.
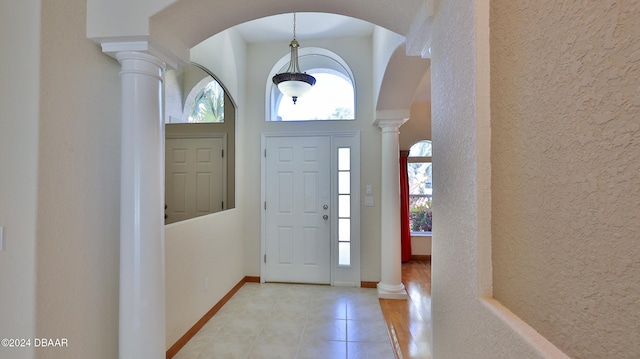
325,217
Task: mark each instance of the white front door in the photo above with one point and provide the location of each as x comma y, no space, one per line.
194,177
297,212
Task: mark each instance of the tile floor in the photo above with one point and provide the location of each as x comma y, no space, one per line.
294,321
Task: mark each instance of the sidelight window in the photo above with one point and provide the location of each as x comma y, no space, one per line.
344,206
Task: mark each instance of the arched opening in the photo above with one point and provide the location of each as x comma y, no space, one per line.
399,89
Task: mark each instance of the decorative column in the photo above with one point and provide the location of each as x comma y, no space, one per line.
390,287
142,279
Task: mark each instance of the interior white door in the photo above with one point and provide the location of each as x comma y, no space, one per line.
297,213
194,181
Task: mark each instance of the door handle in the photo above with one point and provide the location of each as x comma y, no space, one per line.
325,217
325,207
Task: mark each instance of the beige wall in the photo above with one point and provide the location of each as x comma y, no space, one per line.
421,245
201,248
78,188
19,74
566,171
418,127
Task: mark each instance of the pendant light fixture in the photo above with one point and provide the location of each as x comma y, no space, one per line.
292,82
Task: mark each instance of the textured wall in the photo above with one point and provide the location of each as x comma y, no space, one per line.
565,95
458,329
465,325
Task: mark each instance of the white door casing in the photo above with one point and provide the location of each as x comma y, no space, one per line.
195,176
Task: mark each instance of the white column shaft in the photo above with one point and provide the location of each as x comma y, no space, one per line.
142,280
391,263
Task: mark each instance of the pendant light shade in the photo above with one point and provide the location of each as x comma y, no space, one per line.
292,82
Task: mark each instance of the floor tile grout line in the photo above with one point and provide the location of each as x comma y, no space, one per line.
304,328
347,300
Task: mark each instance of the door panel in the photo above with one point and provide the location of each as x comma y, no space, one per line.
194,183
298,247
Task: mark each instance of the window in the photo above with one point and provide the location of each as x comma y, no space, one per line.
331,98
420,187
192,95
344,206
207,105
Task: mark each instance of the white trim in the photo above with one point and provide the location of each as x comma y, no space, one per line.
340,275
419,159
421,234
145,45
199,135
541,345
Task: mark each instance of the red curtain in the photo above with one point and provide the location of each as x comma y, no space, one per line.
405,231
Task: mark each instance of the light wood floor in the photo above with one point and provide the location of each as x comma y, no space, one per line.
409,321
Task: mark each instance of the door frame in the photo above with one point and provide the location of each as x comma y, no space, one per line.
339,275
223,136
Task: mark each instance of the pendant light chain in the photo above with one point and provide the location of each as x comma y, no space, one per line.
294,25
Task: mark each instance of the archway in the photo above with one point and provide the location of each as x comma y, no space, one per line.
147,37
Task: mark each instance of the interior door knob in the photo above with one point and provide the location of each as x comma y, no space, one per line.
325,217
325,207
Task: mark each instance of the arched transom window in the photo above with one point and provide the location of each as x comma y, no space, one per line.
332,97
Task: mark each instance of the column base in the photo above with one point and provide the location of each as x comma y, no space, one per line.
386,291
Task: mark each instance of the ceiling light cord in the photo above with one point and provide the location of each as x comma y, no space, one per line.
294,25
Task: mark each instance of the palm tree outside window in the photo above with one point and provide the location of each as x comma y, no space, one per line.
208,105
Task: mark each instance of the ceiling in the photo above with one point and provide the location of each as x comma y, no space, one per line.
315,25
309,25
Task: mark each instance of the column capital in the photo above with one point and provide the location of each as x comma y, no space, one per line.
391,118
147,46
140,63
